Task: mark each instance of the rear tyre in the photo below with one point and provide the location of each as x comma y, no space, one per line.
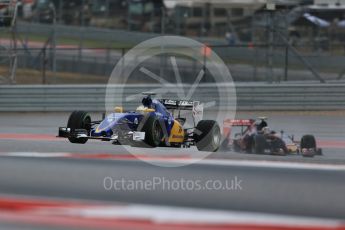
153,132
207,136
278,145
79,120
7,22
237,147
259,144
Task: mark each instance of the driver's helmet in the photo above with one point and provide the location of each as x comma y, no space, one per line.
147,102
260,125
266,130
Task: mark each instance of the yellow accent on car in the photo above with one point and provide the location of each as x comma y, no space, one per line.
143,109
292,148
98,130
177,133
118,109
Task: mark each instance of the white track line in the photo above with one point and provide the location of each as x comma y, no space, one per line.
214,162
175,215
35,154
263,164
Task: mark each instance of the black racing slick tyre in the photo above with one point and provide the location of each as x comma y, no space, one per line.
308,146
79,120
259,144
308,142
153,132
207,136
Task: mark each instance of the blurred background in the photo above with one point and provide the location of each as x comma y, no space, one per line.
80,41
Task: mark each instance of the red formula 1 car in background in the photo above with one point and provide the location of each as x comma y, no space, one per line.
254,136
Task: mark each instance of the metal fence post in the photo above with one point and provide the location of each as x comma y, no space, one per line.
286,72
54,43
123,51
205,61
271,48
80,49
44,65
107,58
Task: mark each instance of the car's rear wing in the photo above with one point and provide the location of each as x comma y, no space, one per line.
241,122
178,104
229,123
195,106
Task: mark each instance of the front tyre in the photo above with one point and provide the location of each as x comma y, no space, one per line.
79,120
308,142
207,136
308,146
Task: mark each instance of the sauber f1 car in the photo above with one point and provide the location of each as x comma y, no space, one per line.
153,124
254,136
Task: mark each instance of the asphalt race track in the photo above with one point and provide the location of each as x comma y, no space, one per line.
284,191
35,163
35,132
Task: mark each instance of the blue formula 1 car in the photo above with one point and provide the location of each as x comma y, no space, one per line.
153,124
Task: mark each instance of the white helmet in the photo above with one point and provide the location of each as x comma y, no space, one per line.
266,130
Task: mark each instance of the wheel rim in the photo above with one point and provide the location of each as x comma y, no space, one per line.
216,137
157,132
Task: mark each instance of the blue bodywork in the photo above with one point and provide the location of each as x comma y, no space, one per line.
130,121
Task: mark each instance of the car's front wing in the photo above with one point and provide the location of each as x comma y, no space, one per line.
83,133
